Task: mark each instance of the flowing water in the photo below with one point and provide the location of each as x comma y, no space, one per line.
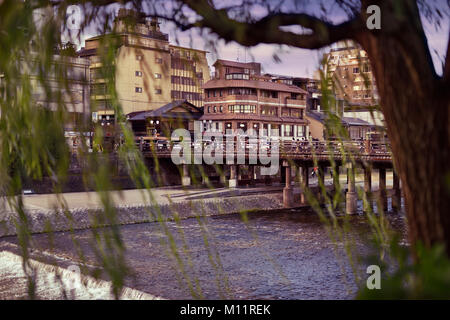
286,254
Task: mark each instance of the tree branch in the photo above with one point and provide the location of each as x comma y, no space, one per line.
267,29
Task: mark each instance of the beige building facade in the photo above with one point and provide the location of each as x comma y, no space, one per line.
353,80
150,72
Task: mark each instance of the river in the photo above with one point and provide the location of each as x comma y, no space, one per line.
285,254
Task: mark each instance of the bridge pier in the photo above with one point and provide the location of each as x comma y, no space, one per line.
321,181
335,176
396,197
232,183
186,178
251,173
351,195
368,185
382,189
304,182
287,191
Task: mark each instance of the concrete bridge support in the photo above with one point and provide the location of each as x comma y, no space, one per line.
233,182
368,180
287,191
368,185
186,178
321,181
396,197
335,176
251,173
304,183
351,197
382,189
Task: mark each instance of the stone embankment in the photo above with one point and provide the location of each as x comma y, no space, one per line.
42,220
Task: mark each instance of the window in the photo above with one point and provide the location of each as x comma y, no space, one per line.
355,70
138,89
158,60
366,68
242,108
288,132
221,109
158,75
209,109
236,76
269,111
158,91
214,109
138,73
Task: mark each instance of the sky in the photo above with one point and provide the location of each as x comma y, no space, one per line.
292,61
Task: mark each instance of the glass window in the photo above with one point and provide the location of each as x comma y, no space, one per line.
138,89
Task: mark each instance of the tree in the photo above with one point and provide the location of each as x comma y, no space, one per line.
415,101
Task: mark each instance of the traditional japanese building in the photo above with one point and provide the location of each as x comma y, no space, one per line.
239,97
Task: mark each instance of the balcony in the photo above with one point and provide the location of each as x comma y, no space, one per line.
296,103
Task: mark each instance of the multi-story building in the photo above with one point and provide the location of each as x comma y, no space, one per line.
67,86
239,97
353,80
149,71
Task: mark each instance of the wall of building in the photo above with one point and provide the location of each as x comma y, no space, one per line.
374,117
316,128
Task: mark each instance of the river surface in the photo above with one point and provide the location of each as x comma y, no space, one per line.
286,254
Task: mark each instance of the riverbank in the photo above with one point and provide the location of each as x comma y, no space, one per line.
83,209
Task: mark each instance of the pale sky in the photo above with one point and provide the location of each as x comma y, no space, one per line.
294,61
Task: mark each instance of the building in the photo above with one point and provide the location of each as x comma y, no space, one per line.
162,121
353,80
357,129
310,85
239,97
150,72
67,86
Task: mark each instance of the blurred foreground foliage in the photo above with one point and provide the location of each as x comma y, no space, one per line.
424,276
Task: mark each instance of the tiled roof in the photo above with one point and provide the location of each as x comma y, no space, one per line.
346,121
163,111
235,64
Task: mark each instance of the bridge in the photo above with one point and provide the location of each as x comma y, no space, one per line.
295,158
